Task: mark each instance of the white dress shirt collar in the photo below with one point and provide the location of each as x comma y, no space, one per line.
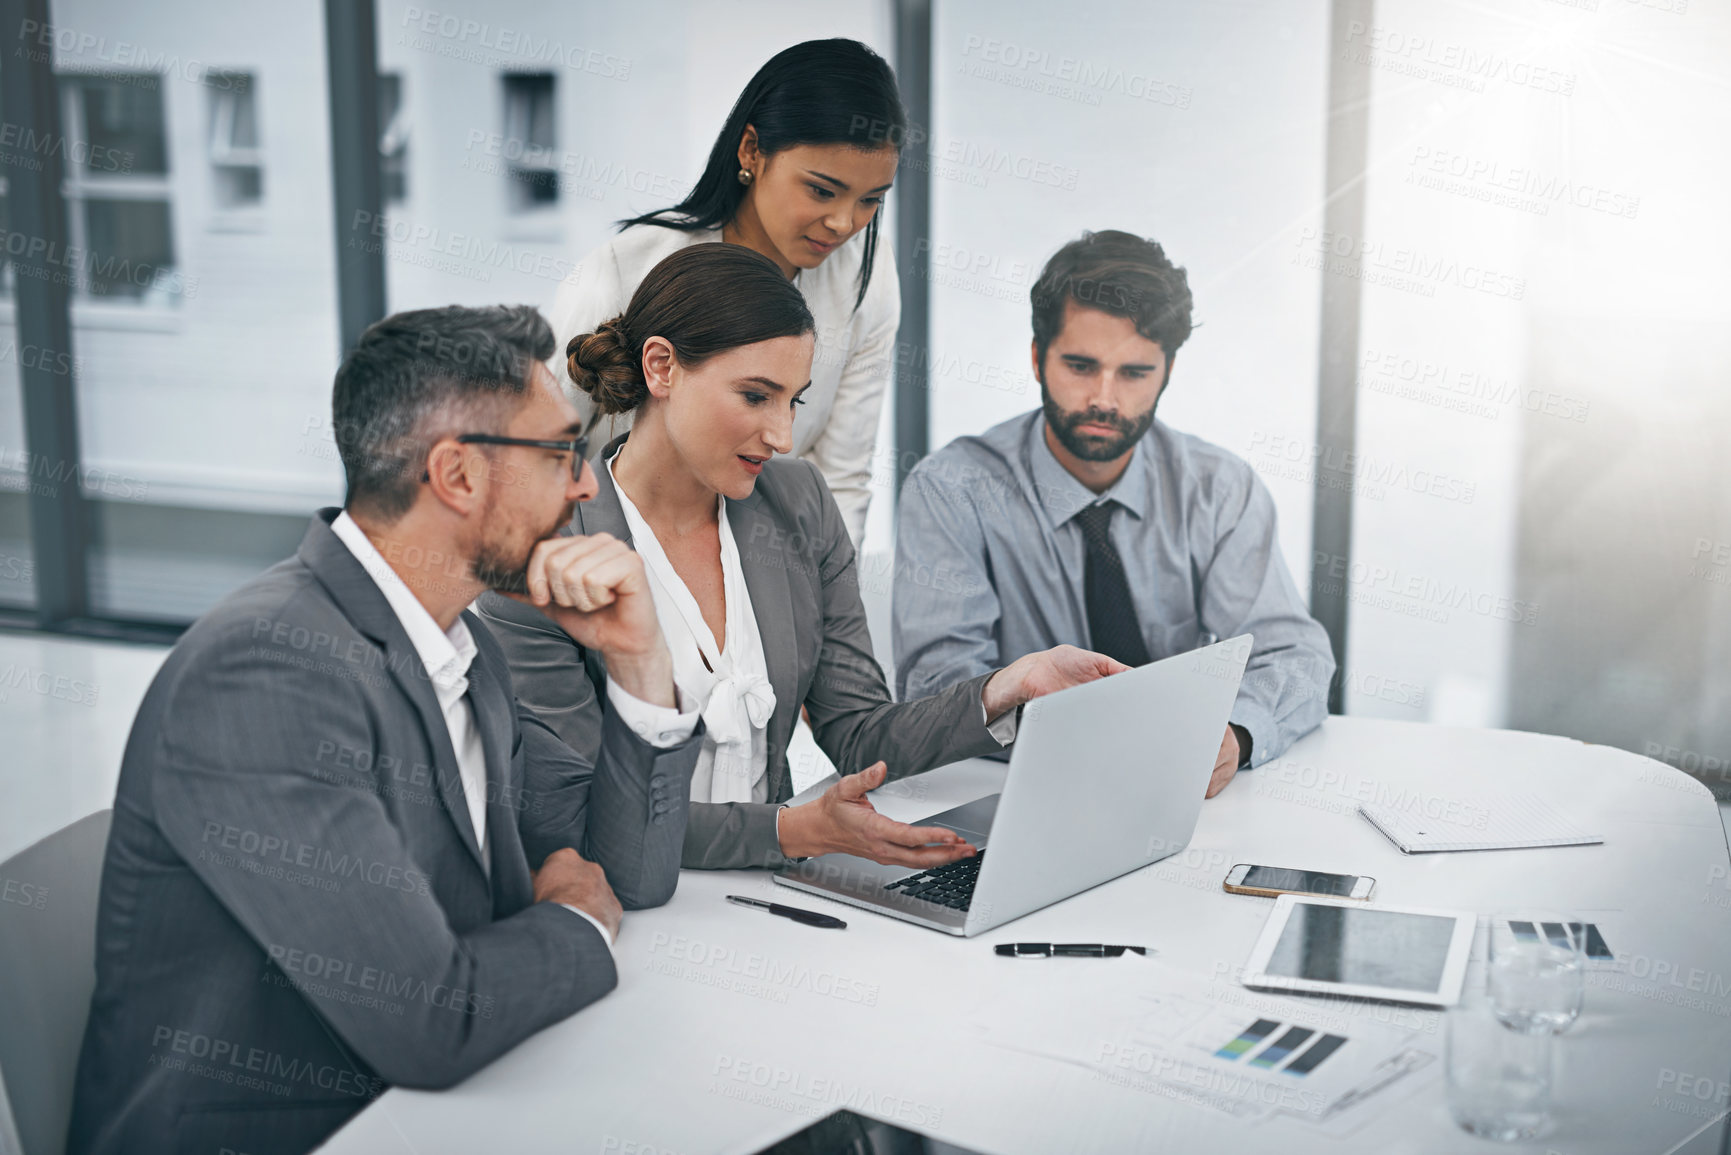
447,654
1064,496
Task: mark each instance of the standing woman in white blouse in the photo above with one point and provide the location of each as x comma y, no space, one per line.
752,575
798,173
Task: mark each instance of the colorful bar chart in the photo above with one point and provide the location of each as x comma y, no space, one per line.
1314,1055
1593,942
1247,1039
1291,1042
1283,1046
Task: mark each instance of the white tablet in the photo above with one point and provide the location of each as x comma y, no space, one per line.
1337,946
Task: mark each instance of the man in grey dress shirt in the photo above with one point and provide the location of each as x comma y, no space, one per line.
1089,522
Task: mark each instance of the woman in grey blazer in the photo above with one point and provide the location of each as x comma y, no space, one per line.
710,357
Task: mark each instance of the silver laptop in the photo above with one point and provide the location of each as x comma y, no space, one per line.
1104,778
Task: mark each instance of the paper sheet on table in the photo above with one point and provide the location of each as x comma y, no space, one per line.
1491,822
1165,1031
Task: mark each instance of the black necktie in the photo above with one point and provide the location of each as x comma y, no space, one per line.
1112,626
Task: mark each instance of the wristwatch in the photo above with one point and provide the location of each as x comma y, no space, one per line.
1245,742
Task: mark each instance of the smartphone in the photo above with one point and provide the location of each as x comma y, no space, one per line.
1269,881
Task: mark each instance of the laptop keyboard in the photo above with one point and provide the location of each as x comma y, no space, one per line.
950,885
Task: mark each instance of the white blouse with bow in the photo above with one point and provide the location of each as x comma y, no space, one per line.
731,686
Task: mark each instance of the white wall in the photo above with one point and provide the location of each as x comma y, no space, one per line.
1199,125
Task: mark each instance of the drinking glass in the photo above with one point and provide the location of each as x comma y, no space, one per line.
1536,970
1499,1080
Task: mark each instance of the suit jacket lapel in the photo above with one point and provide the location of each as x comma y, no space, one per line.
411,675
364,604
766,578
494,717
603,513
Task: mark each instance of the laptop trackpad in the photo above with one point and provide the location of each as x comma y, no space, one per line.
972,820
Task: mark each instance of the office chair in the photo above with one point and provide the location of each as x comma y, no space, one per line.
47,971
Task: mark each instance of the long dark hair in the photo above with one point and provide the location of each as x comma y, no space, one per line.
820,92
704,299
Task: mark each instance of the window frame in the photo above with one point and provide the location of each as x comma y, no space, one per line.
79,187
533,160
222,113
395,139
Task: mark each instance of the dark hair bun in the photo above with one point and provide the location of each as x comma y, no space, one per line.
605,365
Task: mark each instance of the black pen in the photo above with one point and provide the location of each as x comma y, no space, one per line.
809,917
1066,950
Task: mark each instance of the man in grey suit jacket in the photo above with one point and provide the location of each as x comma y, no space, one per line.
343,857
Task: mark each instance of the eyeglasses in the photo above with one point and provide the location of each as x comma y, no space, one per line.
577,447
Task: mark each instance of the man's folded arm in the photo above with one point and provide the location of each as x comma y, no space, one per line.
262,782
551,680
628,812
616,802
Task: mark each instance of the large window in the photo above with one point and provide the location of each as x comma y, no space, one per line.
393,139
17,559
532,166
6,271
203,329
236,158
1541,520
120,227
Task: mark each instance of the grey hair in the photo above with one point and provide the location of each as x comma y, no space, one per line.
416,377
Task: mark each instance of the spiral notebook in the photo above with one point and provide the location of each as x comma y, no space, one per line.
1499,822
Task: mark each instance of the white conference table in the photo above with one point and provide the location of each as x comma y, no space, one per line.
731,1029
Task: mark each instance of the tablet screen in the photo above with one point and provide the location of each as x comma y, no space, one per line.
1364,946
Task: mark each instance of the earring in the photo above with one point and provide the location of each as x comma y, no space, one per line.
745,176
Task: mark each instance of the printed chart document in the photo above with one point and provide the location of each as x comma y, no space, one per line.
1490,822
1169,1033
